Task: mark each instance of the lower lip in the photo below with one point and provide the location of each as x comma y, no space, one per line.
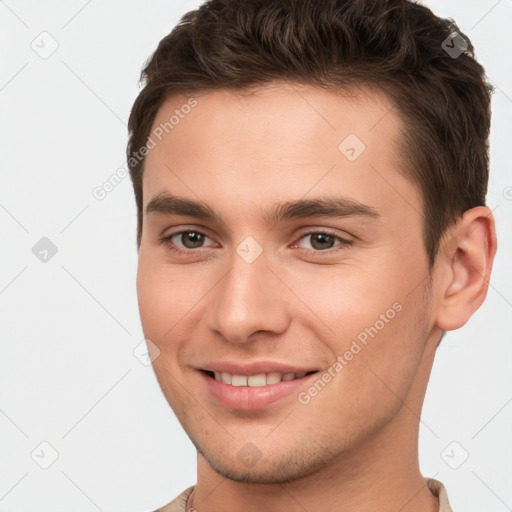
249,397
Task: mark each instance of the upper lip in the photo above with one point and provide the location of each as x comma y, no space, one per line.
254,368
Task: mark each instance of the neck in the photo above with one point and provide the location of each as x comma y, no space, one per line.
378,478
380,473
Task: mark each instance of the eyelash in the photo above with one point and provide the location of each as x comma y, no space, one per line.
344,243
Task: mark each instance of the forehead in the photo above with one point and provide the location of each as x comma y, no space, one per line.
273,143
295,112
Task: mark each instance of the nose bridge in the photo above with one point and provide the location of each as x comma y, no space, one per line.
248,298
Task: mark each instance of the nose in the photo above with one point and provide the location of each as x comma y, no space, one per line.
249,299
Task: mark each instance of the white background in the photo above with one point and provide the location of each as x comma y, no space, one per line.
68,375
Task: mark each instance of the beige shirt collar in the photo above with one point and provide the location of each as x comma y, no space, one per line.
438,489
434,486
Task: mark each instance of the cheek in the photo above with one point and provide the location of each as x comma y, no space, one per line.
375,321
391,348
163,305
377,369
348,299
159,296
171,305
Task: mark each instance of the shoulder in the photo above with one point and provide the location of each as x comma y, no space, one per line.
177,504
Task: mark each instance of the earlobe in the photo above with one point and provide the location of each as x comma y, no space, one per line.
467,261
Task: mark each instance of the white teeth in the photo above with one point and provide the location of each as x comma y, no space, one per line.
257,380
238,380
261,379
273,378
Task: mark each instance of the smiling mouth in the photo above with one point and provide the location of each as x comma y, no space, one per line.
257,380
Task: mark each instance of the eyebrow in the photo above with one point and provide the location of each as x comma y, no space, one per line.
329,206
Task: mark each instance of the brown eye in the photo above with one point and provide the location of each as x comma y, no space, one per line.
183,241
322,241
191,239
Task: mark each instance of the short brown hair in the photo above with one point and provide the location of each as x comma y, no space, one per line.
396,46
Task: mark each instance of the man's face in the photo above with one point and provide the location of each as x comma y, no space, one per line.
247,294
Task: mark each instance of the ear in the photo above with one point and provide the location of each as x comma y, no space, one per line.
464,267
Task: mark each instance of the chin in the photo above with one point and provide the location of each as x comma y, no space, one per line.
281,469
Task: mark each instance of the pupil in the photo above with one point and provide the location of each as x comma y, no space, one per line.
195,239
324,239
